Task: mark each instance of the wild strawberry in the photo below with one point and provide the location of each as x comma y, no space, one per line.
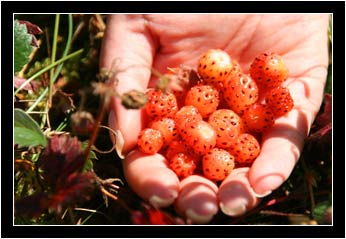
280,101
227,125
239,91
167,128
160,104
245,148
150,141
258,118
175,147
213,66
183,164
200,136
186,114
217,164
269,70
204,97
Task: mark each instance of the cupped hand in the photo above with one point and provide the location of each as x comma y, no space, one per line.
142,42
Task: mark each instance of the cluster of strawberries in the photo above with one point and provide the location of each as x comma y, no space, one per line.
215,124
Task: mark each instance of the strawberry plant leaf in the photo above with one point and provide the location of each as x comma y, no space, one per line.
22,45
62,157
77,188
26,130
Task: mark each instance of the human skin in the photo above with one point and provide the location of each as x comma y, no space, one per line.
142,42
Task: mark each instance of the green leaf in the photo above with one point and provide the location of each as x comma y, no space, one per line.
320,211
89,165
22,45
26,130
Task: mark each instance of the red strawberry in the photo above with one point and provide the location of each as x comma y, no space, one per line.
175,147
150,141
183,164
214,65
200,136
167,128
217,164
258,118
204,97
245,148
179,146
279,100
160,104
269,70
239,91
227,125
184,115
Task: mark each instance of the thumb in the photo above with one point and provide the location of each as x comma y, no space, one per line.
128,49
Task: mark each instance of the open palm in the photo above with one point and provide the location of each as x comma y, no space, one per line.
162,41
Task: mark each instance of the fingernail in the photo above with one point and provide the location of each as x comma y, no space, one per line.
262,195
265,185
233,211
197,218
159,202
234,199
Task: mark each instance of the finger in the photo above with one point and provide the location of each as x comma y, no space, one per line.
150,178
280,151
235,194
197,199
282,145
128,44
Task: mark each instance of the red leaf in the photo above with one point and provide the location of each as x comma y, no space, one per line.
33,85
153,216
62,157
77,188
31,28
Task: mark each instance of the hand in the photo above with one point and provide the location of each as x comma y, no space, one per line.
161,41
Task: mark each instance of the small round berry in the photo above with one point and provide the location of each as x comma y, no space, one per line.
200,136
269,70
245,148
279,100
167,128
258,118
150,141
160,104
217,164
185,115
204,97
213,66
239,91
183,164
227,125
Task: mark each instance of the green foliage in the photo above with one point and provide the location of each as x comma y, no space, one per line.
88,166
26,130
320,211
22,46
